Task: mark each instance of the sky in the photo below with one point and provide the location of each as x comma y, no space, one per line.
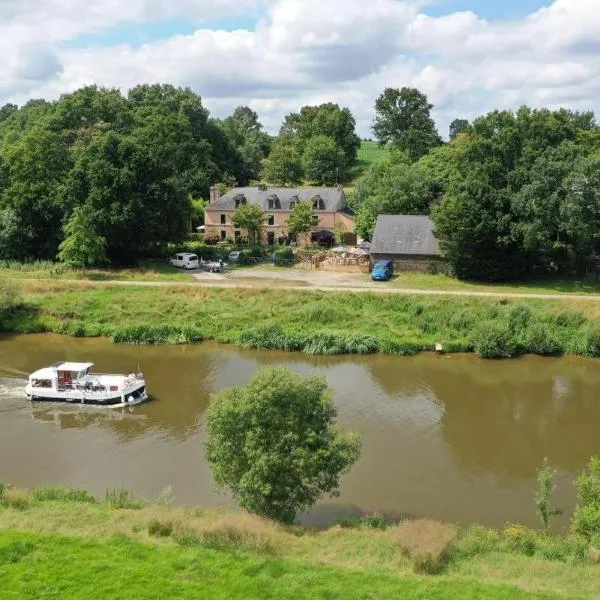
468,56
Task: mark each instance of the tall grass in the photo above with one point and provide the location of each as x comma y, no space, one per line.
312,322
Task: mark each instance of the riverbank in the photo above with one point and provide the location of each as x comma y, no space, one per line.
66,541
310,321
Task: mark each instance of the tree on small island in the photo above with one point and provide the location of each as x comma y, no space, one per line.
83,246
274,443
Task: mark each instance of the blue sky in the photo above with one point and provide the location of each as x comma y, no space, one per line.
488,9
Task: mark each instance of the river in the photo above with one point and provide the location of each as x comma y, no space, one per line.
450,437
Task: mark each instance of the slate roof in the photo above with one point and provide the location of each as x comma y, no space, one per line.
333,198
405,235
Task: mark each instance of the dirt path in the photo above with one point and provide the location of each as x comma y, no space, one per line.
250,282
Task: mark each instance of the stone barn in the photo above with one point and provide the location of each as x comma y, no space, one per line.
409,241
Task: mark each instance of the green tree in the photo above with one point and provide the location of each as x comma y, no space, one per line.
300,220
458,126
274,443
586,519
82,246
251,218
324,120
284,165
403,118
323,161
546,487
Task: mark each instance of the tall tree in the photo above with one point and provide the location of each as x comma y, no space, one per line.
326,119
458,126
83,246
284,165
403,118
275,444
301,218
251,218
323,161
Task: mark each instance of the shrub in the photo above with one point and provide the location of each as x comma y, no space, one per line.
494,340
50,493
373,521
274,443
520,539
462,320
157,334
477,540
401,347
121,498
15,498
427,542
592,341
158,528
283,256
546,488
10,299
324,343
519,317
586,519
540,340
271,337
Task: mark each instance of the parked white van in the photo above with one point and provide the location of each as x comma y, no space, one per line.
185,260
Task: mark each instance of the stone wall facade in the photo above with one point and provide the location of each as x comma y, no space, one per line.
413,264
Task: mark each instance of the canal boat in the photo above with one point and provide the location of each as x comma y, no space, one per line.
75,383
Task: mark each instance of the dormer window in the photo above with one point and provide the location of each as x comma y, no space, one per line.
293,202
274,202
318,203
239,199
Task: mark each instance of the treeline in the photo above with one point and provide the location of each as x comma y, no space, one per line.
510,194
133,165
129,172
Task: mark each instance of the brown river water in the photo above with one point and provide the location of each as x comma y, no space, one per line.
450,437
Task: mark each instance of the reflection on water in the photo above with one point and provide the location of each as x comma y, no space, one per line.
455,437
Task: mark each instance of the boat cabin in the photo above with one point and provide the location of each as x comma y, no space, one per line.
60,376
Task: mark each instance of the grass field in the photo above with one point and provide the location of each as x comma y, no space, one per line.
148,270
368,154
313,322
57,543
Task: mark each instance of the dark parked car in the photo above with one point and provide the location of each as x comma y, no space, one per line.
383,270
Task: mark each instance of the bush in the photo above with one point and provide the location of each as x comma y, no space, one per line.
10,299
274,443
157,334
374,521
586,518
540,340
158,528
519,317
52,493
427,542
15,498
571,319
592,341
283,256
520,539
271,337
494,340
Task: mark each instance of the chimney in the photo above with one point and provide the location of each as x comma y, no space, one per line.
214,194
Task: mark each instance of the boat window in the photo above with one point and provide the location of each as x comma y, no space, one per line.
42,383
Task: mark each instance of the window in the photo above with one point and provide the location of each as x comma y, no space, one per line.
239,199
292,205
223,235
293,201
223,219
273,202
318,203
271,220
271,238
315,220
237,234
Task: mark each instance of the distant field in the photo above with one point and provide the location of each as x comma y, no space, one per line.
369,153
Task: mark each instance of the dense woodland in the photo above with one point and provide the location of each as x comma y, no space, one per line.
510,193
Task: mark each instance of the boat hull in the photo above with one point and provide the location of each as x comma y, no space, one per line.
130,398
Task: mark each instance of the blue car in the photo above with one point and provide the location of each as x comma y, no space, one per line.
383,270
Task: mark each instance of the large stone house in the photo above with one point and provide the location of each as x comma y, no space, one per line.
329,209
408,240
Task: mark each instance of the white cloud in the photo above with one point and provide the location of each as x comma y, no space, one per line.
308,51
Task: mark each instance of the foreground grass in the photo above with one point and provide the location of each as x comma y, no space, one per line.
148,270
313,322
59,543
